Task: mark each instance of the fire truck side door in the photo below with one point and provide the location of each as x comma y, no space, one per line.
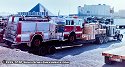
44,27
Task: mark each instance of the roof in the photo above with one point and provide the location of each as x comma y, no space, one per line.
41,8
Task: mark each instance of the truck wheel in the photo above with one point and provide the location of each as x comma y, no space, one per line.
120,36
51,50
105,39
108,61
8,44
99,40
42,51
1,39
72,38
33,50
36,42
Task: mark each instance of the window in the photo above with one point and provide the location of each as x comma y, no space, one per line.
72,22
88,12
75,22
113,31
67,22
46,13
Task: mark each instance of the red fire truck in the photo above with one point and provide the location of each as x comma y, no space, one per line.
72,28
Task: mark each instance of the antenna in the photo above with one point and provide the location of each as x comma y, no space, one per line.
59,13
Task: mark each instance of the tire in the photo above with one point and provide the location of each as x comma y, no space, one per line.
8,44
36,42
22,46
33,50
1,39
99,40
119,38
105,39
108,61
72,38
51,50
42,51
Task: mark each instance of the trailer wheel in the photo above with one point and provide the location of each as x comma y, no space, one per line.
72,38
8,44
51,50
120,36
33,50
42,51
108,61
99,40
1,39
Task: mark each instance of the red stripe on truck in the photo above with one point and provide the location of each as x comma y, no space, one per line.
18,38
40,33
12,18
19,28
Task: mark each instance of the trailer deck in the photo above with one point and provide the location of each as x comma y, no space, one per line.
117,54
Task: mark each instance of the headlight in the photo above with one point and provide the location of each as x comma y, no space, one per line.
117,27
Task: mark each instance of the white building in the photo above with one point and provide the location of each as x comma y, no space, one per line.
95,10
121,13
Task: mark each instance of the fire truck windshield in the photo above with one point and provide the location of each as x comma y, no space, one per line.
10,19
61,23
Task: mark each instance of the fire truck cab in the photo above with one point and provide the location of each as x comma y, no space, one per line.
73,28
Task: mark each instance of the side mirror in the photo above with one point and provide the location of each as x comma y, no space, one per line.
60,28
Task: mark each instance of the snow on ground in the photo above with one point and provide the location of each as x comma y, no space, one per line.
84,56
14,54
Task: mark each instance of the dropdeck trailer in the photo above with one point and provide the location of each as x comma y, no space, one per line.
117,54
43,35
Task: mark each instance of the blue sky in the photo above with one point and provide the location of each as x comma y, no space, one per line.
65,6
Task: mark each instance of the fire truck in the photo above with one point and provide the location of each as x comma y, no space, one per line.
71,28
44,34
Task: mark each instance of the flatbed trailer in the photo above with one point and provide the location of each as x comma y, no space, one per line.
117,54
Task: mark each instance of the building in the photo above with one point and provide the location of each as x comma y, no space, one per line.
38,10
121,13
95,10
